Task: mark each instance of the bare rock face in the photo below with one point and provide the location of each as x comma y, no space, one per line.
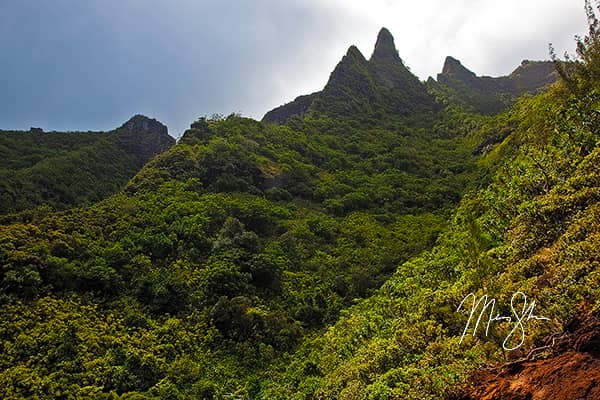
144,137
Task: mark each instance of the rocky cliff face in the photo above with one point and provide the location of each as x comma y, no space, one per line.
385,48
350,89
144,137
531,76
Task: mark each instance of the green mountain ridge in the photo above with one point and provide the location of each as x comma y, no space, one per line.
458,85
382,86
66,169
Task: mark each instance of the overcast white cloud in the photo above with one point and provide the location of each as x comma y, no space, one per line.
491,36
67,64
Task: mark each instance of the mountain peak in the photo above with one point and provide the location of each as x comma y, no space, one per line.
385,47
454,67
141,123
144,137
358,88
354,53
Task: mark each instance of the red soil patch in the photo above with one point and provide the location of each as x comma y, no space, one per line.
569,371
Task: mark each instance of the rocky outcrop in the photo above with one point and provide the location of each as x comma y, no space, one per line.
400,91
531,76
350,90
141,123
566,368
144,137
453,69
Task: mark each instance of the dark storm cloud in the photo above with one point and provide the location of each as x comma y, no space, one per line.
72,64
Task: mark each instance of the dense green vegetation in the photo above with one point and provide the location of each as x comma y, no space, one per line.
533,229
246,235
322,258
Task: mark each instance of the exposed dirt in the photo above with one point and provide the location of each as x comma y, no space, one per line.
569,370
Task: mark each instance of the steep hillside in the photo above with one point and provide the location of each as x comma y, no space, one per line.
532,232
222,253
534,229
67,169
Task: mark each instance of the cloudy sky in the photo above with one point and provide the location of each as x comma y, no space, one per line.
91,64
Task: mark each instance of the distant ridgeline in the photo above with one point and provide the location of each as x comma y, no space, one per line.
65,169
456,84
383,85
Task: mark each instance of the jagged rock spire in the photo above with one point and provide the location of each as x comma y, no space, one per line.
358,88
385,47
